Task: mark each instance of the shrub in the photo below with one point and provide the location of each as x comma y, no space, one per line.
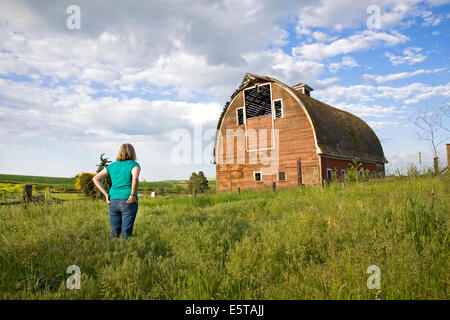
84,183
353,173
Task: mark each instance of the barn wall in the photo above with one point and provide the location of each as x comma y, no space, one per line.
341,164
296,140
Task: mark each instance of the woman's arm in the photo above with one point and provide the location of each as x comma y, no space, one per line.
98,184
134,184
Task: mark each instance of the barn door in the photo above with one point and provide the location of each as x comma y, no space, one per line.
299,171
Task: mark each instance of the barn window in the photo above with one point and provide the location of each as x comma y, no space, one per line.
278,106
240,116
342,173
258,176
329,174
257,101
281,176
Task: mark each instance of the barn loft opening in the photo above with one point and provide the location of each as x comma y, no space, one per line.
278,108
240,116
257,101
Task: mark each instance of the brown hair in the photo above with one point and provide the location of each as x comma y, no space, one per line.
126,152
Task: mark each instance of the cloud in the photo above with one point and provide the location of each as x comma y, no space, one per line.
408,94
430,19
378,125
327,82
362,110
346,63
357,42
411,55
340,15
397,76
63,114
137,70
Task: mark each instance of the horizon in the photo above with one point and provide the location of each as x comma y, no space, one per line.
149,73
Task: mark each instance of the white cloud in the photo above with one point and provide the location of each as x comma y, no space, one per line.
431,19
357,42
411,55
400,75
342,15
326,82
63,114
362,110
346,63
378,125
408,94
122,75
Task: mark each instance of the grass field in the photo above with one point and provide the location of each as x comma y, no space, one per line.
302,243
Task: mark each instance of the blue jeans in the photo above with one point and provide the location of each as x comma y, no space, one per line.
122,215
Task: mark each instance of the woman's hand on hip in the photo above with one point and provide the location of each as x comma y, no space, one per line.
107,198
131,198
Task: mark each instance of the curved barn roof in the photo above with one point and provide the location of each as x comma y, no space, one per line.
338,133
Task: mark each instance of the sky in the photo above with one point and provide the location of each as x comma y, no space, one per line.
78,83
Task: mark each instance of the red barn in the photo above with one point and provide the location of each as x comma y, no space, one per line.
273,133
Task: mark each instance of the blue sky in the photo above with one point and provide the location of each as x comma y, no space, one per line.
141,72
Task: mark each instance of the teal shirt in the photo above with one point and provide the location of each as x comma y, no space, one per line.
120,173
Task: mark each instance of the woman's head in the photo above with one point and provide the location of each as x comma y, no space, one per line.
126,152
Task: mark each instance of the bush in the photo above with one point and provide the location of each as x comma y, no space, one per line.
84,183
198,182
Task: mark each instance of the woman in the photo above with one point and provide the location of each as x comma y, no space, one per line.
122,199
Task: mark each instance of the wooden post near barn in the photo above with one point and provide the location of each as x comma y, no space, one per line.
27,192
448,156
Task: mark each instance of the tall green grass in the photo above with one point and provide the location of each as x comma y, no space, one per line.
301,243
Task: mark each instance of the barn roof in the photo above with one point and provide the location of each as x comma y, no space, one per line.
338,133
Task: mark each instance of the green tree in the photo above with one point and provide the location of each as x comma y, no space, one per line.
84,183
198,182
106,181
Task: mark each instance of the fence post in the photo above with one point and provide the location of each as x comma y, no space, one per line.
239,190
27,192
436,166
448,156
274,186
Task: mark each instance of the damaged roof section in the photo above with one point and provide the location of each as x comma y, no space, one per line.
257,101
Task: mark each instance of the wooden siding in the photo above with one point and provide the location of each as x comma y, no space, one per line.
295,140
342,164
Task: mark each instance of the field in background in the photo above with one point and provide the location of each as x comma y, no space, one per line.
11,187
13,178
300,243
